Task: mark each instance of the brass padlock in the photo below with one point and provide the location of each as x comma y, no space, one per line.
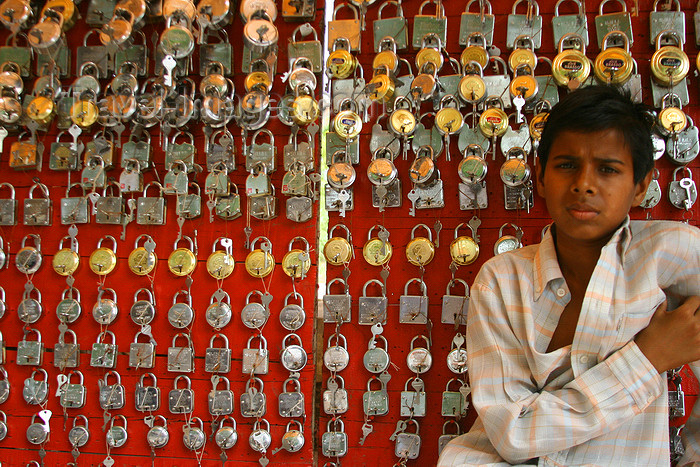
420,250
347,28
669,64
24,154
66,260
296,262
260,262
571,67
338,250
103,260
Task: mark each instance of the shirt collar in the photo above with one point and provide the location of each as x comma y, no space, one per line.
546,266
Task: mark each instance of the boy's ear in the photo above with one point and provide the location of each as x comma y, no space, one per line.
640,189
540,180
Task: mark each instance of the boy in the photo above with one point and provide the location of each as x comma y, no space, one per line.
569,340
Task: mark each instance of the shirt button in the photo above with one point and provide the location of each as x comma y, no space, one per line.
561,292
583,359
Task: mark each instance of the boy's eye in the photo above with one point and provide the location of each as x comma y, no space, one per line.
608,169
565,165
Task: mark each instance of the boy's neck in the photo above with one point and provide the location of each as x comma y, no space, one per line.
577,259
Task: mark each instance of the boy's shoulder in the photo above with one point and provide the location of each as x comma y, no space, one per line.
664,235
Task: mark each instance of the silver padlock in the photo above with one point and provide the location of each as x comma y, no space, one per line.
253,400
375,401
110,207
72,395
181,314
189,205
217,359
454,307
335,397
79,434
158,435
111,396
424,24
151,210
568,24
376,359
293,356
30,353
105,310
408,444
653,194
413,403
143,311
8,206
30,309
413,309
3,355
181,359
292,315
147,398
481,22
372,309
117,435
682,193
38,432
226,436
263,153
336,357
255,361
334,442
220,401
457,357
447,437
4,386
37,211
616,21
682,147
104,355
676,397
36,391
175,180
453,402
254,315
419,359
291,404
337,307
293,439
142,354
260,438
3,425
181,400
74,210
529,24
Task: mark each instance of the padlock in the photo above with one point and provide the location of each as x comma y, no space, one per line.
297,262
4,386
529,24
671,119
429,24
375,401
570,24
69,308
228,207
498,84
295,182
413,402
105,310
184,152
336,357
376,359
3,308
221,152
117,435
311,49
408,444
183,260
100,146
138,147
104,355
175,180
36,391
142,354
257,183
73,394
151,210
413,309
571,67
30,309
3,355
93,174
111,396
64,156
372,309
17,54
507,243
217,359
395,26
262,153
653,194
291,404
3,425
420,250
682,147
110,207
8,207
217,183
30,353
218,314
457,357
220,51
131,178
24,154
96,54
253,400
74,210
335,397
181,400
454,307
620,21
419,359
181,314
136,54
181,359
337,307
189,205
334,442
292,316
103,260
293,356
347,28
260,438
676,397
147,398
452,401
142,259
38,211
220,401
682,193
446,437
669,63
260,262
29,258
296,151
255,361
481,22
377,250
341,64
38,432
79,434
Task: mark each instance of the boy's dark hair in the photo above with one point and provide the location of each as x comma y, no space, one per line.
596,108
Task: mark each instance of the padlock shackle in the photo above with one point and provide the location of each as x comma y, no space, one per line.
581,7
459,281
620,2
484,8
374,281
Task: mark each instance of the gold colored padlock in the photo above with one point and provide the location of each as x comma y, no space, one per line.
614,65
347,123
493,121
669,64
377,251
537,122
66,260
42,108
386,57
464,250
341,63
182,261
420,250
305,109
142,261
260,262
571,67
430,52
84,112
402,121
448,119
472,87
221,263
103,260
671,118
475,50
524,83
296,262
338,250
381,87
523,53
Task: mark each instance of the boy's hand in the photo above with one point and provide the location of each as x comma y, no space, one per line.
672,338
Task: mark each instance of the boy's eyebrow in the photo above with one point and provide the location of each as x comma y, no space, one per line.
604,160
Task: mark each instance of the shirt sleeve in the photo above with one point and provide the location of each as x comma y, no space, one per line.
523,421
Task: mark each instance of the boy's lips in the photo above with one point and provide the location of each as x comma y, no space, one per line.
582,211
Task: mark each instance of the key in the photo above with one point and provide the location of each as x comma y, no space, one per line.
413,196
383,235
687,184
381,194
108,462
106,416
264,460
474,224
346,273
153,457
33,126
315,181
384,274
366,430
266,247
169,65
247,230
125,222
211,204
75,454
119,129
400,428
42,454
45,414
224,458
3,134
93,197
343,197
180,223
438,228
519,103
203,22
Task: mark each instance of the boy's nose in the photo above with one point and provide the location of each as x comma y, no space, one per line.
584,181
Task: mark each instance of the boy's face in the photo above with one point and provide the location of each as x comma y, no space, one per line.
588,184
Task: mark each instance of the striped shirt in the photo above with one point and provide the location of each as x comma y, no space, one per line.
598,401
